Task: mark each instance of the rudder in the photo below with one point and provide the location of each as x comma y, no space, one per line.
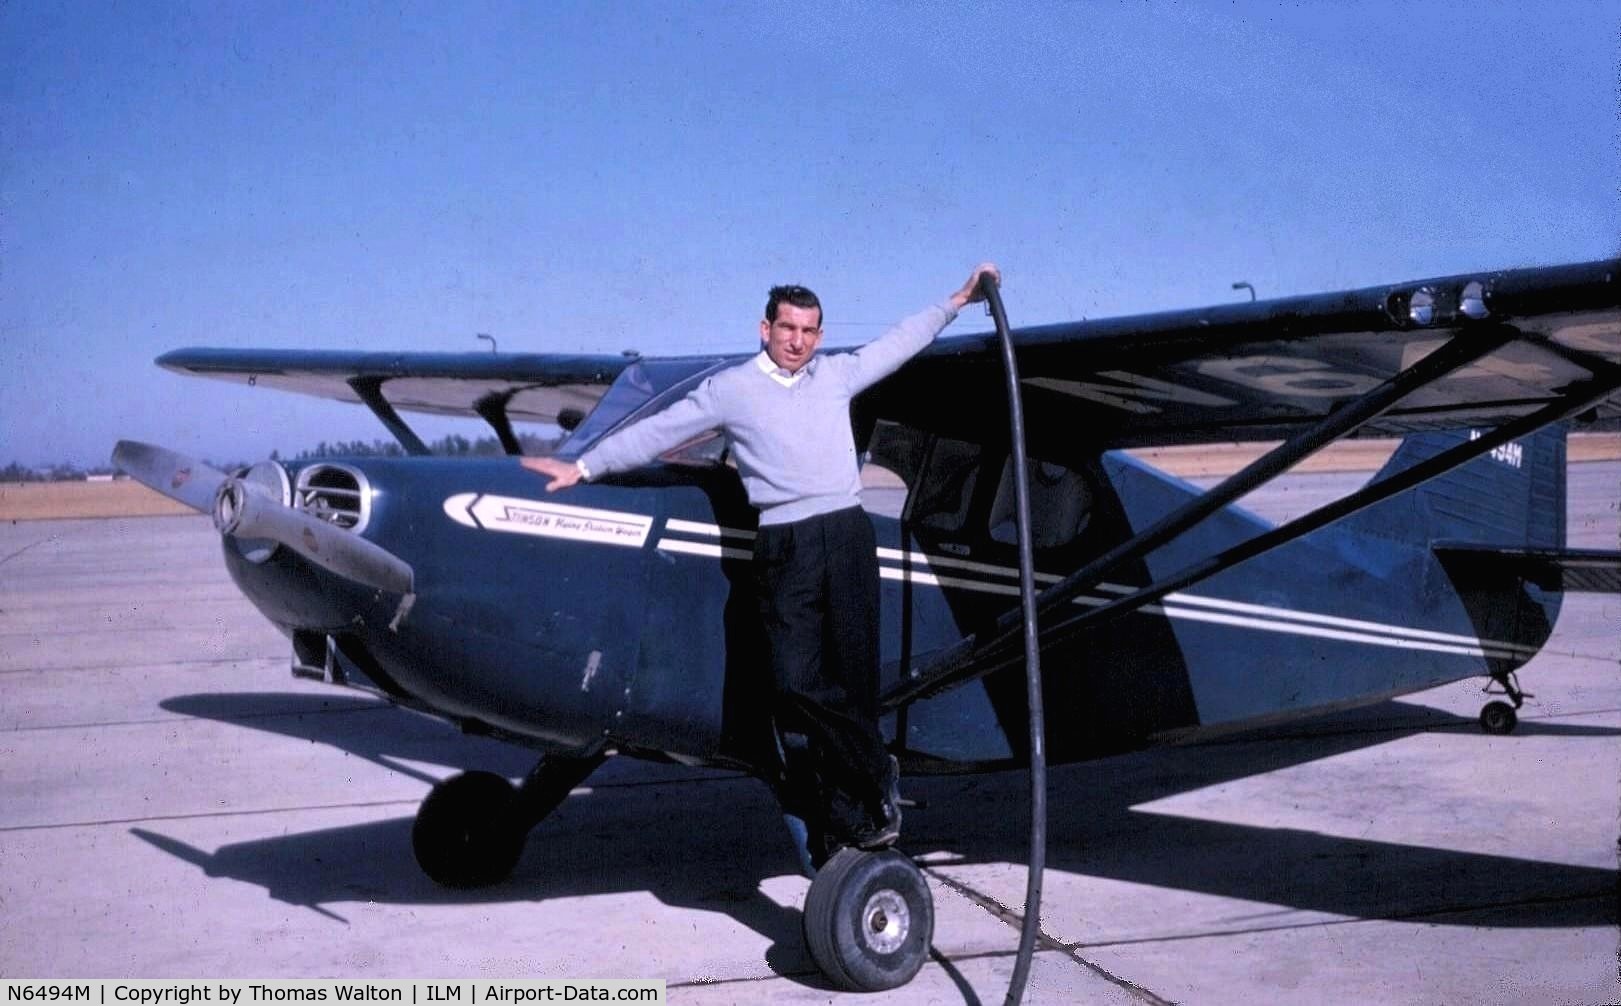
1512,496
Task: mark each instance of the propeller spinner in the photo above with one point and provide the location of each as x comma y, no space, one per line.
243,510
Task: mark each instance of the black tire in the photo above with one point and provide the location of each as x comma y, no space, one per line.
464,835
869,920
1498,718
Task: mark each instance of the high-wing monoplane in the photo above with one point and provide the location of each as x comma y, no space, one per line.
616,617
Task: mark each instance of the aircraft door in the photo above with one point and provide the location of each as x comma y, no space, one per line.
699,686
944,572
962,547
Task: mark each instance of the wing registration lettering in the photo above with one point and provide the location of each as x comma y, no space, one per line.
1494,366
1130,393
1289,375
1603,337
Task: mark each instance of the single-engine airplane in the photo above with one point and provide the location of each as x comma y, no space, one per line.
616,617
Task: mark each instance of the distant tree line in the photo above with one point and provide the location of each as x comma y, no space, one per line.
453,445
15,472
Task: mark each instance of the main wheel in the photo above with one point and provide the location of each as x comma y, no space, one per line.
869,920
1498,718
464,835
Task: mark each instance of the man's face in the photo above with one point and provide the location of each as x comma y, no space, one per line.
792,339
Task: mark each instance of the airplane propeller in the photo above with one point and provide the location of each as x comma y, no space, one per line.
242,509
174,475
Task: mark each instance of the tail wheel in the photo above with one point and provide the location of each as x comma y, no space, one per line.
465,835
1498,718
869,920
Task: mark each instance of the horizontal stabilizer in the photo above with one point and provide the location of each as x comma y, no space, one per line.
1567,569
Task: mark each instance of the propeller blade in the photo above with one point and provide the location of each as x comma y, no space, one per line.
239,510
174,475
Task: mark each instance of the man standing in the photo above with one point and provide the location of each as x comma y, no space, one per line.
786,417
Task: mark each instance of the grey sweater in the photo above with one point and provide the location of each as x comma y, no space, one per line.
793,445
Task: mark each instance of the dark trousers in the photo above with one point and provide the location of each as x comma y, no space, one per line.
818,590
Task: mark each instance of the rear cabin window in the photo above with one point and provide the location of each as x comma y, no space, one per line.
944,497
1060,505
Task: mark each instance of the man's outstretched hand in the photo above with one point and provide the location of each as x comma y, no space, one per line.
970,292
562,473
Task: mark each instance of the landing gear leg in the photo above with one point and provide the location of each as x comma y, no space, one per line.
548,784
1499,717
470,830
869,920
798,788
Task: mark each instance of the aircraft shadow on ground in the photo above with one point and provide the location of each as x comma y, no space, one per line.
624,833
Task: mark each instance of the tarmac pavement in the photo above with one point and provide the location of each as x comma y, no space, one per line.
174,804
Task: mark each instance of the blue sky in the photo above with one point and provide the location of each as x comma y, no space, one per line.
594,177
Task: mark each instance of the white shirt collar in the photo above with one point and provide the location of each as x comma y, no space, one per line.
769,367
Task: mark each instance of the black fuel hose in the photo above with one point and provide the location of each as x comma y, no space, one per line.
1032,653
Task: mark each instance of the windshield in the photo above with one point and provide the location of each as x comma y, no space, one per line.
637,387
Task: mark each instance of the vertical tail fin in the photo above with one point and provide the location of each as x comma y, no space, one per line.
1513,496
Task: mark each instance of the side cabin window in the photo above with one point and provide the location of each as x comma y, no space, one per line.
964,492
944,498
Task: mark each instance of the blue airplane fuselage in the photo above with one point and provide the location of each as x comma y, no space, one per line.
622,615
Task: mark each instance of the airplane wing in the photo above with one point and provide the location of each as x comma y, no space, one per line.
1235,372
1266,370
535,387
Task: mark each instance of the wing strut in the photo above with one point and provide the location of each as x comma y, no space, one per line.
370,390
1465,348
996,654
493,408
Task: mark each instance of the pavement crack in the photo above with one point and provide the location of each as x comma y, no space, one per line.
20,551
1044,942
163,665
208,814
1407,916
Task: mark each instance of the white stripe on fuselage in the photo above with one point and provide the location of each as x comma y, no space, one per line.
1198,601
701,548
920,568
708,530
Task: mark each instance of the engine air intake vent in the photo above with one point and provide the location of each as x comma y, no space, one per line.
336,494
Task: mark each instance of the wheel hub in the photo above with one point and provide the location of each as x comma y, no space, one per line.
885,921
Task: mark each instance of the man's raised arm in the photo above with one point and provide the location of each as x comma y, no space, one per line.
885,354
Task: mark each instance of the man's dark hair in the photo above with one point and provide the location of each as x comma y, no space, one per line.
798,296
